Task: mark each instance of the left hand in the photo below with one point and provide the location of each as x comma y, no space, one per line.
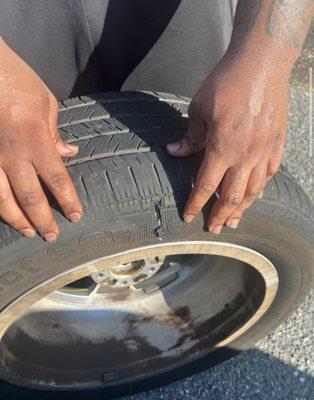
239,116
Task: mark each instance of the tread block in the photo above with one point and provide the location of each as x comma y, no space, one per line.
121,138
107,97
117,109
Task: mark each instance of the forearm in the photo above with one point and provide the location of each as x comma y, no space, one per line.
276,28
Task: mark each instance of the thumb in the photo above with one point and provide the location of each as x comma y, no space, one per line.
64,149
190,144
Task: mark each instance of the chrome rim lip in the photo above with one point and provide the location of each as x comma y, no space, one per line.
249,256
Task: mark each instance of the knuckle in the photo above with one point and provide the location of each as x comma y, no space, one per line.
254,192
48,226
237,215
216,146
9,144
50,157
272,171
69,208
205,188
238,122
231,200
30,198
216,220
4,195
193,210
17,223
5,144
58,181
248,148
276,136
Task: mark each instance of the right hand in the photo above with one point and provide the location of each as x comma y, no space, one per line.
30,145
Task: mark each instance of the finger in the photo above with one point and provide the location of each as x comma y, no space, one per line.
191,143
31,198
273,164
56,177
233,188
64,149
53,113
254,190
209,176
10,210
275,157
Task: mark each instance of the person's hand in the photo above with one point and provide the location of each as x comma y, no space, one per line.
239,116
30,146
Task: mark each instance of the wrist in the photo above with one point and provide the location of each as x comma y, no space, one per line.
262,54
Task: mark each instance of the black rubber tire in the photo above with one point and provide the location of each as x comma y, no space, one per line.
133,194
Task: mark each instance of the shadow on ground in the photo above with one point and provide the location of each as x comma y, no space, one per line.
255,367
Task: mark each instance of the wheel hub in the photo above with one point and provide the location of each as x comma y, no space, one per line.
128,274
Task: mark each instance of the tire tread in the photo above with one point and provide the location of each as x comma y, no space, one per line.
107,125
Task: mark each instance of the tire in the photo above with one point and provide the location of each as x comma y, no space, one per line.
133,195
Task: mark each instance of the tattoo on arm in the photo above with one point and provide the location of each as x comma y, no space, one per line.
247,14
288,21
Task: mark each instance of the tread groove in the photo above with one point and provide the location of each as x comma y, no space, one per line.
84,187
91,115
277,187
87,143
299,196
156,174
71,119
288,191
133,179
108,180
114,163
92,152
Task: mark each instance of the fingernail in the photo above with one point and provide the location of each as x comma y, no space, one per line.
233,223
72,148
188,218
50,237
261,195
28,232
216,229
173,147
75,217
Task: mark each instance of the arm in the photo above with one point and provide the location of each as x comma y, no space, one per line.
278,24
239,112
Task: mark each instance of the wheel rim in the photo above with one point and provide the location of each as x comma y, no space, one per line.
79,332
